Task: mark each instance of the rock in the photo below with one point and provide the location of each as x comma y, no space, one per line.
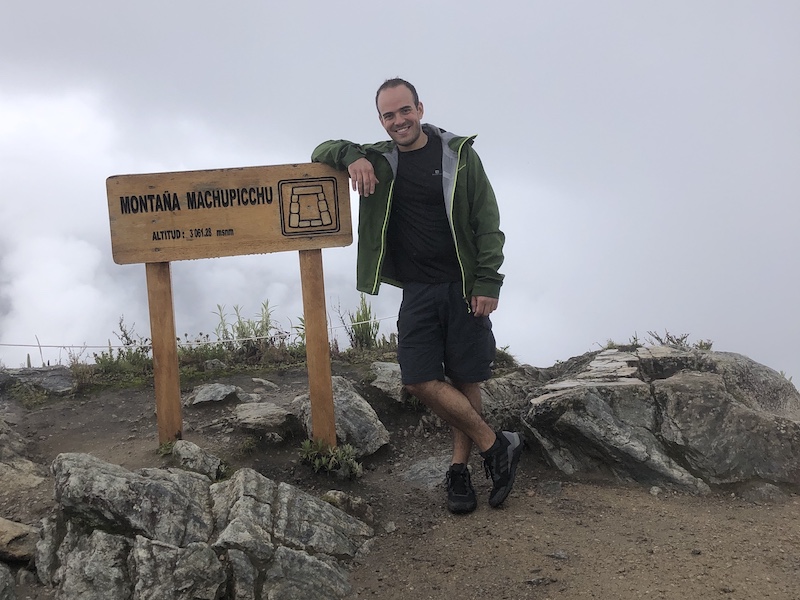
158,533
214,364
17,541
16,471
352,505
664,416
213,392
295,575
267,385
173,506
93,566
764,493
161,570
357,422
505,397
7,590
428,474
720,438
268,419
388,380
605,426
57,380
193,458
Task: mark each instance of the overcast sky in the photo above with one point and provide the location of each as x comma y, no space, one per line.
645,155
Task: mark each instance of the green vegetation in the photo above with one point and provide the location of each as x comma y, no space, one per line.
362,326
340,460
681,342
238,343
29,395
165,449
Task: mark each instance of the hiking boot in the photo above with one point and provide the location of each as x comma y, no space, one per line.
460,493
500,462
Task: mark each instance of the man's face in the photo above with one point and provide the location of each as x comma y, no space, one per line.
401,119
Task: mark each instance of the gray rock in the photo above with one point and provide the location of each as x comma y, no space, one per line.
47,549
159,533
243,512
672,417
193,458
505,397
429,473
94,567
16,471
352,505
388,380
357,422
764,493
267,418
214,364
305,522
57,380
17,541
296,575
266,384
7,589
164,571
722,439
243,575
171,507
213,392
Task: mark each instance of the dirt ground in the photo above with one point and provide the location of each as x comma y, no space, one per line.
554,538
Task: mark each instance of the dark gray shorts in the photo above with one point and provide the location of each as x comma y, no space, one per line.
438,336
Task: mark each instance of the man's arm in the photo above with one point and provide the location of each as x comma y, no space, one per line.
489,240
343,154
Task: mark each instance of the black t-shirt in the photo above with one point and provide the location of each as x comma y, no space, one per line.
419,235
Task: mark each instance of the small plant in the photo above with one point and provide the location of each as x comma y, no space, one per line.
633,344
165,449
248,445
131,361
82,372
504,360
680,342
363,326
29,395
340,460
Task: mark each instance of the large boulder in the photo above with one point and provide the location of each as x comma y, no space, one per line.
663,415
357,423
169,533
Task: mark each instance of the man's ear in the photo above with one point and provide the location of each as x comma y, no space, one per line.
420,109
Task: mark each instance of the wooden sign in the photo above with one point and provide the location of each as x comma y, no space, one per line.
163,217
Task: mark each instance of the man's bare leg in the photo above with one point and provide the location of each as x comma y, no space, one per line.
460,407
462,444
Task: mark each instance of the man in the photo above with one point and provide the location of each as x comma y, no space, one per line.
429,223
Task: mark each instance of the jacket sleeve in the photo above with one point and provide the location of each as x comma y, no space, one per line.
339,154
485,223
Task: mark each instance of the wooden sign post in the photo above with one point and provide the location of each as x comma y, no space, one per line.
162,217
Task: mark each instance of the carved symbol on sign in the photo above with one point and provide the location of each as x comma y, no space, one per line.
308,206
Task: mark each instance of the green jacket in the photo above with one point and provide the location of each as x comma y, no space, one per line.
469,201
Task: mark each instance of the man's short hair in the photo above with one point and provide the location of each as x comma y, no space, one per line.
397,82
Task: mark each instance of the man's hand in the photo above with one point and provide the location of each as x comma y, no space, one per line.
363,176
483,306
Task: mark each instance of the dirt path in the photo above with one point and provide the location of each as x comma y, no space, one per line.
554,538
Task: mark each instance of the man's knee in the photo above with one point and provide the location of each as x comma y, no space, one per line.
423,390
